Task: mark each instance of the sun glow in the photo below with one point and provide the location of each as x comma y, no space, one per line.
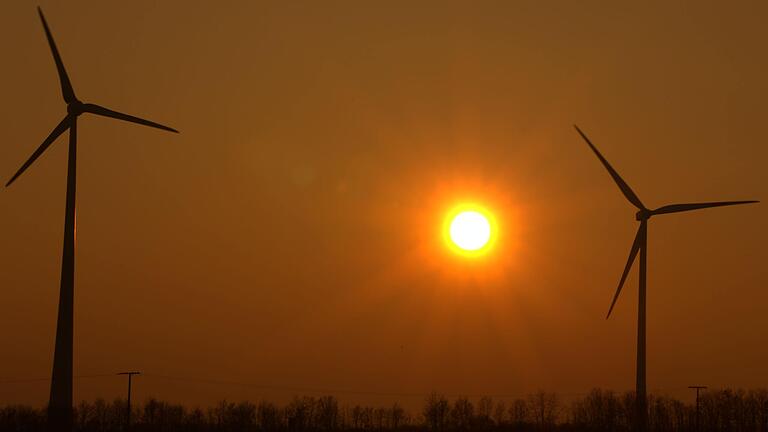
470,230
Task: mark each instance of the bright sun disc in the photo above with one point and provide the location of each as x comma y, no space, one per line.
469,230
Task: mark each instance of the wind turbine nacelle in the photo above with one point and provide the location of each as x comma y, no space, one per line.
75,108
643,214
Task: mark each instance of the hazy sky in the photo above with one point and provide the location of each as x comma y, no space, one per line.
289,236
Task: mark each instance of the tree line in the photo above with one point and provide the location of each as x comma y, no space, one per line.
599,410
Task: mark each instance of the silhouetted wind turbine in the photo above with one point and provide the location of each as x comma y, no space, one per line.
60,403
641,245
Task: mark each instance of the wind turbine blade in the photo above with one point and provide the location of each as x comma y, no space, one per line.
58,130
632,255
676,208
625,189
66,86
100,110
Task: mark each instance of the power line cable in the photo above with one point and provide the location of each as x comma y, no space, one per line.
25,380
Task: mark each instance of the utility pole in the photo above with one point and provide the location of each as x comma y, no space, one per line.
697,388
128,413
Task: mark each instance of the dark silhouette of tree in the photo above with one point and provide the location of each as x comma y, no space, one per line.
462,415
18,418
484,418
599,410
268,417
544,409
518,413
195,421
362,418
436,411
500,413
299,413
327,416
397,417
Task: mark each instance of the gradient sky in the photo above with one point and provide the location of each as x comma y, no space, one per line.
289,236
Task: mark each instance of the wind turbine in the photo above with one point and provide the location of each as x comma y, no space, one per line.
641,245
60,403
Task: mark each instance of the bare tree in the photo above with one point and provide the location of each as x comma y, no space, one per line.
362,418
436,410
544,409
599,410
299,413
500,413
462,414
267,416
519,412
484,411
397,417
327,414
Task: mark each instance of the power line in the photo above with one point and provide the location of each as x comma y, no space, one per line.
25,380
324,390
338,391
283,388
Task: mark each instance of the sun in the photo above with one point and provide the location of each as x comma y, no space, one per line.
470,230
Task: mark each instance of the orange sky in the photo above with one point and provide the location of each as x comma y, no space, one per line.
289,236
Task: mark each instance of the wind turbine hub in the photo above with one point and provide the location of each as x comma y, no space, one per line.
643,214
75,108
